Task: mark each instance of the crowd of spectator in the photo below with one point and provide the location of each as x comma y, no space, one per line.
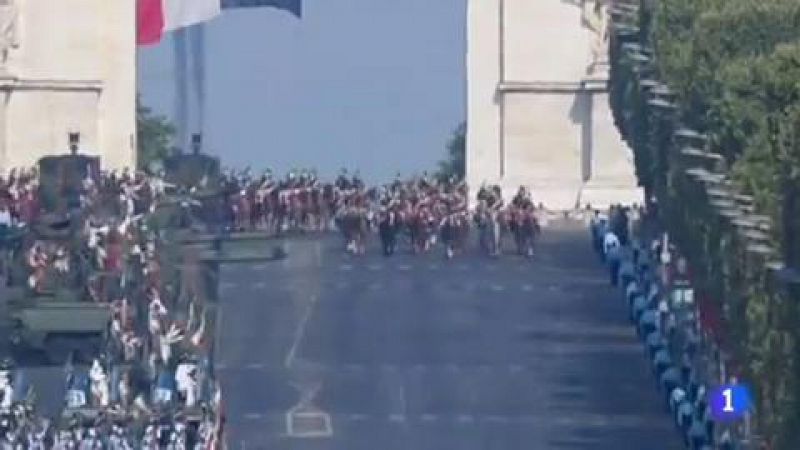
151,385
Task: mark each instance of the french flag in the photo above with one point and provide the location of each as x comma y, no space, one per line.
156,17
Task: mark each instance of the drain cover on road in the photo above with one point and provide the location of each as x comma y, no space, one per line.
308,424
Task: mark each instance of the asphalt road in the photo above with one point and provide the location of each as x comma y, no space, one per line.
328,351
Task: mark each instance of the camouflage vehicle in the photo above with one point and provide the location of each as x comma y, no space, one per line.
195,170
199,175
59,324
58,321
61,180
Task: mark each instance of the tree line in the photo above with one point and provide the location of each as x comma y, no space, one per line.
730,71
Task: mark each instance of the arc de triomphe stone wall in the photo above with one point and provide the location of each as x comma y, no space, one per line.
67,66
538,112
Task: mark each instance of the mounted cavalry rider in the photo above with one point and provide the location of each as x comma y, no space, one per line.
490,203
522,199
483,193
353,222
388,226
342,182
523,224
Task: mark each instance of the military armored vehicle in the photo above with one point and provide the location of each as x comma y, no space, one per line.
199,175
58,324
61,178
60,320
194,170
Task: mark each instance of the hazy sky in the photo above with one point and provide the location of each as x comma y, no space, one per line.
371,84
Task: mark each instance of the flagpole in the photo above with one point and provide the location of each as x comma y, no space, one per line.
198,54
181,89
135,137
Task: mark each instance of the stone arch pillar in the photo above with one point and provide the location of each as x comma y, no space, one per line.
538,112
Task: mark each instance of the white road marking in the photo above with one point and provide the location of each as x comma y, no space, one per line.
346,267
515,368
527,288
403,405
358,417
419,368
433,266
498,288
253,416
374,267
321,424
428,417
375,286
255,366
465,418
397,418
403,267
463,267
260,285
226,285
299,332
494,418
325,418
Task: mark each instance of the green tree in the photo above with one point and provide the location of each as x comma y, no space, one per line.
454,166
153,135
734,65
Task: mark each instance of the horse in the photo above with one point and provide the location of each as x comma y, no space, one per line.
328,205
454,230
242,210
272,206
303,212
462,232
256,206
354,226
314,208
489,235
422,230
388,227
525,228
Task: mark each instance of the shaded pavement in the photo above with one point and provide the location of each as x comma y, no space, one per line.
416,352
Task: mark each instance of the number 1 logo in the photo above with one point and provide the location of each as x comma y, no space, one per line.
729,402
727,407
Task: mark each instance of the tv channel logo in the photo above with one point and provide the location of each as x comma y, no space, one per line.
730,402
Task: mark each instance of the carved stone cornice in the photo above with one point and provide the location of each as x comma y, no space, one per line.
10,82
586,85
